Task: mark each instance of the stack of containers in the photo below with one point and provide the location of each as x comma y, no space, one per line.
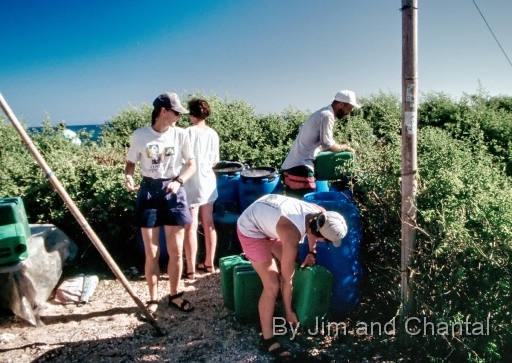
242,287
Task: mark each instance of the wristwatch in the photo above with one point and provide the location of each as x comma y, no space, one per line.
178,179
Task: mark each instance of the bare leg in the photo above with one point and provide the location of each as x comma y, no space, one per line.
210,234
174,239
269,276
151,236
191,242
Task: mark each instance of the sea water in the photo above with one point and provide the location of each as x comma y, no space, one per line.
95,129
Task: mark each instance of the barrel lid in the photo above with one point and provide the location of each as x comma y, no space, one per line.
259,172
228,167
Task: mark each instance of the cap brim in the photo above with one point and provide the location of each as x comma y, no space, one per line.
356,105
336,243
180,109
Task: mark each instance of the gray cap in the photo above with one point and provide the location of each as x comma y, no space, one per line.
334,227
169,100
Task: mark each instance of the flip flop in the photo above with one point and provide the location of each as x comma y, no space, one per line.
205,268
185,305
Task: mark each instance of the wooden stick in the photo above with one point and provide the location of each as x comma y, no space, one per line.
78,215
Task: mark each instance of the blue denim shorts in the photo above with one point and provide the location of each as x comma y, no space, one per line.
156,207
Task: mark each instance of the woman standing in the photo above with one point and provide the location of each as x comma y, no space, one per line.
162,149
202,187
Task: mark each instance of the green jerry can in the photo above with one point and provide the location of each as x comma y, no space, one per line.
333,166
14,231
311,297
227,265
247,292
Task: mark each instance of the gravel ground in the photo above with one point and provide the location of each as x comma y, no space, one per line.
107,329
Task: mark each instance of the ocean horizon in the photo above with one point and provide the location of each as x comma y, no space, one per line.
95,129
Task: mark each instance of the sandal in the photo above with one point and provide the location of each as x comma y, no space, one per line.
185,305
188,275
274,348
205,268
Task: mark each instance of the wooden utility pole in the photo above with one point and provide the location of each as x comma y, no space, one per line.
409,156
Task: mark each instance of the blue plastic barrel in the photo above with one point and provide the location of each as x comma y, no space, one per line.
225,217
344,261
228,174
257,182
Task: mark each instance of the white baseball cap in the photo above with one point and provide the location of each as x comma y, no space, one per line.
332,226
347,96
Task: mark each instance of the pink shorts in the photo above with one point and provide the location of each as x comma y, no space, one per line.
258,249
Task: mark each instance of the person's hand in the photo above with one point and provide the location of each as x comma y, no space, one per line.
173,187
291,318
130,184
309,261
345,147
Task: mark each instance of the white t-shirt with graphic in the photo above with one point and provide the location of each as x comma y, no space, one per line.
161,155
201,188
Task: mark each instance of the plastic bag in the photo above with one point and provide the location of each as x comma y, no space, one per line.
25,286
76,290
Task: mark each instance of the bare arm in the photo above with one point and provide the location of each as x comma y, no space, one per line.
310,259
341,147
191,169
129,169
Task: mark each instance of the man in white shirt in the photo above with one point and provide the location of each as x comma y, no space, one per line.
315,135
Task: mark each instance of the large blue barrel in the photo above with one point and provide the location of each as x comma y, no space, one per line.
225,217
257,182
343,262
228,174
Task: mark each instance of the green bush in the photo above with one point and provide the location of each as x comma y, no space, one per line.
484,121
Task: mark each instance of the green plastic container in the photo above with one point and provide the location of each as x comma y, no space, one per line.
311,298
333,166
227,265
247,292
14,231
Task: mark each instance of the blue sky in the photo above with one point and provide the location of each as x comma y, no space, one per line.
83,61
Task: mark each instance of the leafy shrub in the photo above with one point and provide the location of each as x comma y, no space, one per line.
484,121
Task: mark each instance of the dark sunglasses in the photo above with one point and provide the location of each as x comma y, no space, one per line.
175,112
